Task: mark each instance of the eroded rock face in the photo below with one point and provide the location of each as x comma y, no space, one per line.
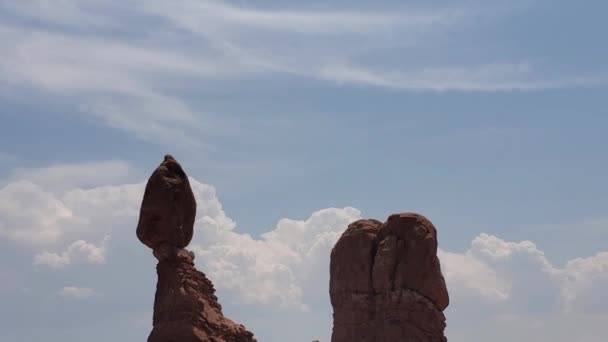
386,283
185,306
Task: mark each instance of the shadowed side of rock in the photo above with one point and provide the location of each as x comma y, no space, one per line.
386,283
185,306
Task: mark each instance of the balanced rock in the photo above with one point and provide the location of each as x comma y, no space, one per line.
386,283
168,207
185,306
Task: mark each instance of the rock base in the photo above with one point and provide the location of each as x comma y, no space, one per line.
186,308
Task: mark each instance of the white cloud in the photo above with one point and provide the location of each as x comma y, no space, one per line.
136,84
78,252
521,278
278,267
75,292
46,207
583,279
488,77
72,175
466,273
31,215
509,291
113,81
201,16
205,16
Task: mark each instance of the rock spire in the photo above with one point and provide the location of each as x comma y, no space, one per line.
185,306
386,283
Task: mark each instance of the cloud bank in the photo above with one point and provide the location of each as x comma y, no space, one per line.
285,270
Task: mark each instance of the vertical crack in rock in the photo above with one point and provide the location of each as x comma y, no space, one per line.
185,306
386,283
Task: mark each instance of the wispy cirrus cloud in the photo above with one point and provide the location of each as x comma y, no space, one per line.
486,78
132,65
115,82
218,15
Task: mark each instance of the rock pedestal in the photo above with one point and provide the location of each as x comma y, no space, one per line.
185,306
386,283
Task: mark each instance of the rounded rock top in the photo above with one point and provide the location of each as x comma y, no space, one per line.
168,207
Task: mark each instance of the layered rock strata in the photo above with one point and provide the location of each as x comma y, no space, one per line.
386,283
185,306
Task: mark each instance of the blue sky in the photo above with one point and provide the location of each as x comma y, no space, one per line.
294,119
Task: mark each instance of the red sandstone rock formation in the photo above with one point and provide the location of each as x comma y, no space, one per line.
185,306
168,207
386,283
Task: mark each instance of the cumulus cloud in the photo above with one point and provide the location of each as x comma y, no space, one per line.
582,280
274,269
520,277
31,215
466,273
78,251
75,292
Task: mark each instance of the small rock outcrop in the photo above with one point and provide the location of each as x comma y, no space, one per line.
386,283
185,306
